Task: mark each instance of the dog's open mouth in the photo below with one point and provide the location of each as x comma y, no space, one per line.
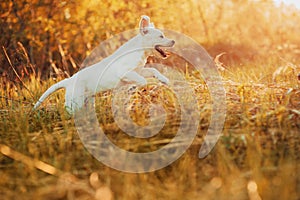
163,53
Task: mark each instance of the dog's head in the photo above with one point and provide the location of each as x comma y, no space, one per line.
154,37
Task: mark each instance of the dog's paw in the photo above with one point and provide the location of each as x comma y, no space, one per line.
141,82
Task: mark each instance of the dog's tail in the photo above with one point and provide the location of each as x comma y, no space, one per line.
53,88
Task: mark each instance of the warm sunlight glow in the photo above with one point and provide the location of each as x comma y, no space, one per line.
289,2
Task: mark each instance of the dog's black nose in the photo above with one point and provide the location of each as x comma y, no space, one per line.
173,42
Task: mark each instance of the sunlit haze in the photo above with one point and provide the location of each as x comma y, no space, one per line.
289,2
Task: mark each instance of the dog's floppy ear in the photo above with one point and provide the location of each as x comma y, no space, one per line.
145,24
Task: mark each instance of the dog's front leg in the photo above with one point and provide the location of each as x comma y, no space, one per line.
132,76
151,72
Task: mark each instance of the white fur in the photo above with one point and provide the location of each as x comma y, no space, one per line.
124,64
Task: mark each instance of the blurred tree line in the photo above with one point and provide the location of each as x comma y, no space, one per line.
52,37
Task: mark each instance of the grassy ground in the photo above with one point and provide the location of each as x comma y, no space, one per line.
42,157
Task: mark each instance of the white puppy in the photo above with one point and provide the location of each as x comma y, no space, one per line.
125,64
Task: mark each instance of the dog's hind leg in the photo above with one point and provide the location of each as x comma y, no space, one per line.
74,99
68,101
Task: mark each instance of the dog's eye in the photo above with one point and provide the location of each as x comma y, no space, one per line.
161,36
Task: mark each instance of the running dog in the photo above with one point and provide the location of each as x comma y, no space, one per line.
126,64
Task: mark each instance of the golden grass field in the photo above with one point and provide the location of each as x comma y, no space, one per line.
257,157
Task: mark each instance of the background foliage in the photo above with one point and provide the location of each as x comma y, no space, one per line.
58,35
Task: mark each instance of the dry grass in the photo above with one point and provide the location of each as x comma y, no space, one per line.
257,156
